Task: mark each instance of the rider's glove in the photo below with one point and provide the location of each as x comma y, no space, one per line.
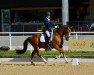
56,26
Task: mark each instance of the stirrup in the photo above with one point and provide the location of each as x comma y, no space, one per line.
48,47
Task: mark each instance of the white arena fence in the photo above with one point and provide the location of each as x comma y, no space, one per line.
16,39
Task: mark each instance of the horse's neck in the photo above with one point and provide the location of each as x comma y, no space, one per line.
60,33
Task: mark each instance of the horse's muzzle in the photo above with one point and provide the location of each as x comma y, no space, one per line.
67,38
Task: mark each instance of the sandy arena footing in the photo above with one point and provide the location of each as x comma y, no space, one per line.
51,68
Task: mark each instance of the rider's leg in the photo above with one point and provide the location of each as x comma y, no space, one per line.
48,37
47,40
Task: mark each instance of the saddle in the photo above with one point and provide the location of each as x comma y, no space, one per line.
43,39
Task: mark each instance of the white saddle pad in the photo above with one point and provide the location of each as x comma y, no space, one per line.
42,38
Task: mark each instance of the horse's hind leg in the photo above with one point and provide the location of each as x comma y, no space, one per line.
32,55
38,53
36,50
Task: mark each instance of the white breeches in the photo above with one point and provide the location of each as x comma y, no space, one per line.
47,33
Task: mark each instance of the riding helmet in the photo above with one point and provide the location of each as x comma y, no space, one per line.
48,14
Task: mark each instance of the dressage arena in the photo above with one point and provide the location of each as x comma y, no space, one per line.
51,68
40,68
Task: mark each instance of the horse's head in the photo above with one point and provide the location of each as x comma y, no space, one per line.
65,31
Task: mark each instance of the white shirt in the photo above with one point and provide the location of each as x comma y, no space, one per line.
48,19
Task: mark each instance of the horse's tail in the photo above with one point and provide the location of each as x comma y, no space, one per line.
24,47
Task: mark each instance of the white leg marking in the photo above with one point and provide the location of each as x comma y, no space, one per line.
43,59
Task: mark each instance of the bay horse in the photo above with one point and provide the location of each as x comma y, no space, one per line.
57,42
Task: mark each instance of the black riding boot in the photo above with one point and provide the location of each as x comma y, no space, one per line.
48,48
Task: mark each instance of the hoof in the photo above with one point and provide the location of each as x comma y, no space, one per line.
66,62
32,63
55,57
45,62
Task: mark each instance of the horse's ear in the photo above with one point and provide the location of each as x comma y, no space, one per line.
65,26
69,26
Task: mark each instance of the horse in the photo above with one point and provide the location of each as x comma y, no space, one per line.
57,42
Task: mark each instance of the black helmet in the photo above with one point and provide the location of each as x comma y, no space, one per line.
48,13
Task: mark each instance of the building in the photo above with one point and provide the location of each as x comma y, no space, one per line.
21,15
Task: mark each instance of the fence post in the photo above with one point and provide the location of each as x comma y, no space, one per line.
76,36
10,40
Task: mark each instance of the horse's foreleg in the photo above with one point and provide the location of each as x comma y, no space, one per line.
61,56
58,56
66,61
61,51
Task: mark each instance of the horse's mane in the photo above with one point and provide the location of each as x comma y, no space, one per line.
59,30
62,30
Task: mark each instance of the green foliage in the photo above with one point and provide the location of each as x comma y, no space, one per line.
4,48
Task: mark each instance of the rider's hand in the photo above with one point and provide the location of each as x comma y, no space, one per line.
56,26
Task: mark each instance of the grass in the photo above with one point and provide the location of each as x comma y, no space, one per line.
12,53
80,53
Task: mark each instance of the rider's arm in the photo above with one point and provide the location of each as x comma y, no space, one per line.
54,25
50,24
47,23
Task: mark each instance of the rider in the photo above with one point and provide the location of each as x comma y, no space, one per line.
47,29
